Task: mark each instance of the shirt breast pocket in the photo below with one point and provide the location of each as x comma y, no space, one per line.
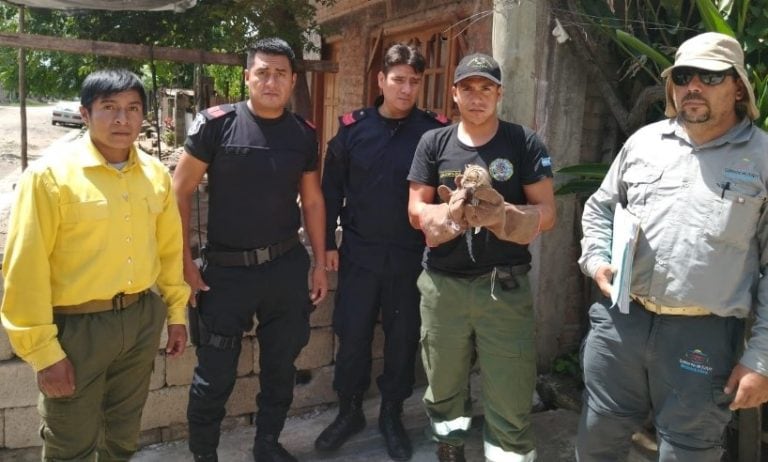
84,226
641,183
734,218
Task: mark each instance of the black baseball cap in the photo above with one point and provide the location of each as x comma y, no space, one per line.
477,65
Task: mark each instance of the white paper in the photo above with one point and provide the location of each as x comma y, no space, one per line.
626,228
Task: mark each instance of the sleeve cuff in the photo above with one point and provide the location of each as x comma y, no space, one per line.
46,356
754,361
177,315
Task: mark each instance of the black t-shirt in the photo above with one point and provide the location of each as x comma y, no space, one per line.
514,156
255,166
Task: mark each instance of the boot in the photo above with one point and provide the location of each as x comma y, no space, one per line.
267,449
450,453
391,426
350,420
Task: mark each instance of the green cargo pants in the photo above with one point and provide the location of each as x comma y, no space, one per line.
113,355
459,315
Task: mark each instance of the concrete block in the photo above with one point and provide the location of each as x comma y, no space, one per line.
158,373
22,428
152,436
6,352
245,362
323,314
319,350
174,432
319,390
179,371
18,385
164,407
256,352
377,346
243,398
163,338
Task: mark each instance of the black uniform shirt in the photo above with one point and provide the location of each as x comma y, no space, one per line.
367,164
255,167
514,157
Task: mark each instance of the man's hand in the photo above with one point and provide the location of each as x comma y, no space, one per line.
319,285
750,386
177,340
57,380
195,281
603,278
331,260
456,200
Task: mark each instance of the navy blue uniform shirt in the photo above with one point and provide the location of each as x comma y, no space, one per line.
367,164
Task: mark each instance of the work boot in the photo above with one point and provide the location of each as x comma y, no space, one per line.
450,453
267,449
350,420
212,457
391,426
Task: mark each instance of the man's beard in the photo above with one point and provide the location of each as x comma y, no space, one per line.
699,117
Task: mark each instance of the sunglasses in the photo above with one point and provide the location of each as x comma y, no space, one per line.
683,76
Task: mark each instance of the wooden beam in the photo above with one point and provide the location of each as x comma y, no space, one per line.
141,52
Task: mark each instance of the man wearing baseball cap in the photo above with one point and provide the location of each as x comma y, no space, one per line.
480,190
698,183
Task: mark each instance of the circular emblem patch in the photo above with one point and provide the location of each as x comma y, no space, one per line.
501,169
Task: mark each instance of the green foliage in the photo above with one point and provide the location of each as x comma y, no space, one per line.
214,25
568,364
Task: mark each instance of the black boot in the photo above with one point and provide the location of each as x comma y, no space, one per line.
267,449
350,420
212,457
391,426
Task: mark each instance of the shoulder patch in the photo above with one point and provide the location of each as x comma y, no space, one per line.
306,122
439,117
217,111
351,117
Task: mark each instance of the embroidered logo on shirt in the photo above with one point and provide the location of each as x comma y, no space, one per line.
196,124
501,169
696,361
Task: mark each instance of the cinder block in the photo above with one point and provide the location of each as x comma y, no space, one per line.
243,398
18,385
179,370
163,338
245,362
323,314
319,350
164,407
319,390
174,432
256,352
22,429
6,352
377,346
152,436
158,373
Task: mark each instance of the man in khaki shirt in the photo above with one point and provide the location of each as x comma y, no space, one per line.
93,229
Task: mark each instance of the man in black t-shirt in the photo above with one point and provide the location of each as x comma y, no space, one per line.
474,290
258,158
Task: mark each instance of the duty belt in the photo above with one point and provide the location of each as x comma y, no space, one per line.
670,310
252,257
116,303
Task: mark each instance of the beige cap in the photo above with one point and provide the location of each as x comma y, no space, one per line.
711,51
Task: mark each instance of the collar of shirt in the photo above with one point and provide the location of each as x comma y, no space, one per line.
739,133
90,156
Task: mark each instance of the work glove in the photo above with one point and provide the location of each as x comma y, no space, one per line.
521,225
437,225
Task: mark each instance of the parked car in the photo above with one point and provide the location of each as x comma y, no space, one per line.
67,114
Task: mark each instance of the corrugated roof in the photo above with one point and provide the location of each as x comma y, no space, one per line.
135,5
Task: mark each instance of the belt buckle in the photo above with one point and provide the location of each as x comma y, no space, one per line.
262,255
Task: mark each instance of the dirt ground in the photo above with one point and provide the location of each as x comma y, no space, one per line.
40,134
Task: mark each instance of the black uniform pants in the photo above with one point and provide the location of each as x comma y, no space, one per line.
360,296
277,293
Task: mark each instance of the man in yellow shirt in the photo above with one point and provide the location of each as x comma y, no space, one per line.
93,229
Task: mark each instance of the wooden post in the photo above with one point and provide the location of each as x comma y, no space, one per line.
23,93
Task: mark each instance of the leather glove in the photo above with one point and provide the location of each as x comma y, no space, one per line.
485,208
521,224
437,225
455,200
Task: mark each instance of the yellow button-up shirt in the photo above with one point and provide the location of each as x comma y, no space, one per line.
83,230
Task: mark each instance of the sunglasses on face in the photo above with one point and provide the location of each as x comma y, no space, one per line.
683,76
